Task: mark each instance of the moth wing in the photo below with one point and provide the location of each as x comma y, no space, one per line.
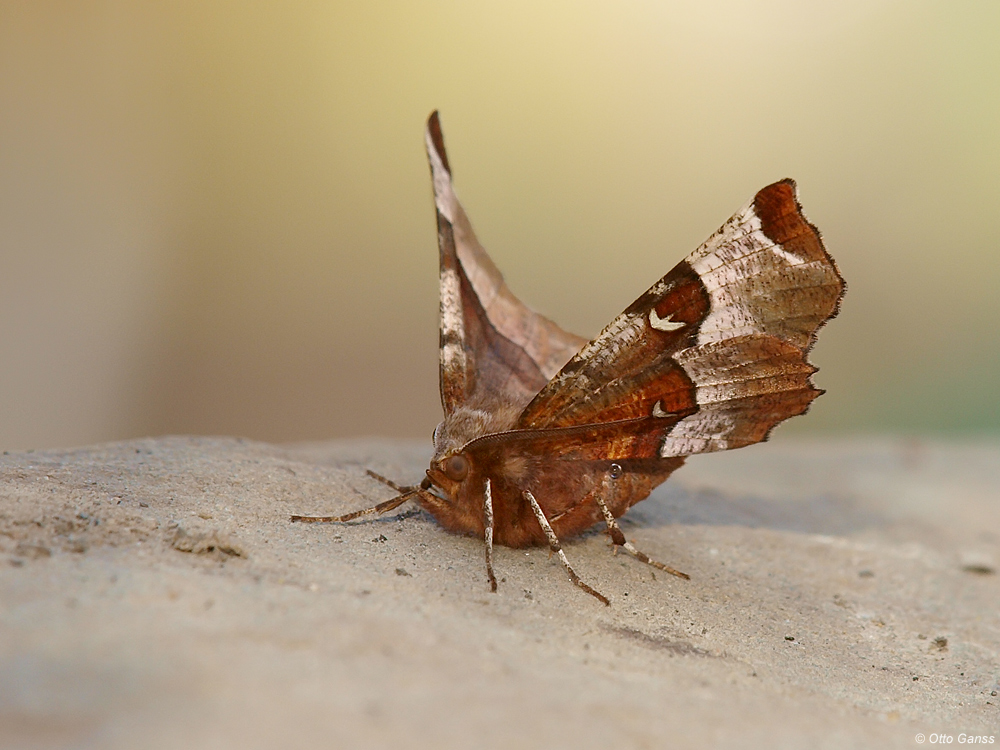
493,347
722,340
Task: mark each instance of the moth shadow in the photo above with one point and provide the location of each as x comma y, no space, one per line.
822,513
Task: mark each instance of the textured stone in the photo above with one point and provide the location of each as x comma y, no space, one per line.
842,593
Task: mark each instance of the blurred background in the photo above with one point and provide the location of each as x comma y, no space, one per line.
216,217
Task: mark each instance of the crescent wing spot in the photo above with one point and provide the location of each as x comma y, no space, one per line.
664,324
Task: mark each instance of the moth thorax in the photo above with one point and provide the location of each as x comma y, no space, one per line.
465,424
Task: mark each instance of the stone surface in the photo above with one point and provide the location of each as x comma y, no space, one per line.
153,594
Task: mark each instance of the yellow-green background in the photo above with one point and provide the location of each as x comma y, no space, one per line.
215,216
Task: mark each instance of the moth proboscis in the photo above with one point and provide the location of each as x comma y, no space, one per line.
546,434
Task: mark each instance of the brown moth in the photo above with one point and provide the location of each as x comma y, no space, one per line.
546,434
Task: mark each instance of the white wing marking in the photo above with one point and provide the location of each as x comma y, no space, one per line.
663,324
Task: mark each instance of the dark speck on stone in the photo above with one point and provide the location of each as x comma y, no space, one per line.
979,570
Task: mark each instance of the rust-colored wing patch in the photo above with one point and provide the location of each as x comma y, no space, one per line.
629,370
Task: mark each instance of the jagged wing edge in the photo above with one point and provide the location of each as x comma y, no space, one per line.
772,286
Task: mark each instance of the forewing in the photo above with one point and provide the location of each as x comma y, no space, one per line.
620,440
493,347
722,338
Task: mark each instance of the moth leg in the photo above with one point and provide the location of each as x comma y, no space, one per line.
488,512
620,541
554,546
383,507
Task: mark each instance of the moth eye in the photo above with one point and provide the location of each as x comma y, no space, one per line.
456,467
616,471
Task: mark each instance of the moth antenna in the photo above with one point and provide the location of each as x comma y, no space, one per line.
620,541
399,488
383,507
488,513
555,547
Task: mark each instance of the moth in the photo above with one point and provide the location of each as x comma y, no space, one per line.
546,434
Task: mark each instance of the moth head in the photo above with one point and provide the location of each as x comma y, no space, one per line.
452,463
449,472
